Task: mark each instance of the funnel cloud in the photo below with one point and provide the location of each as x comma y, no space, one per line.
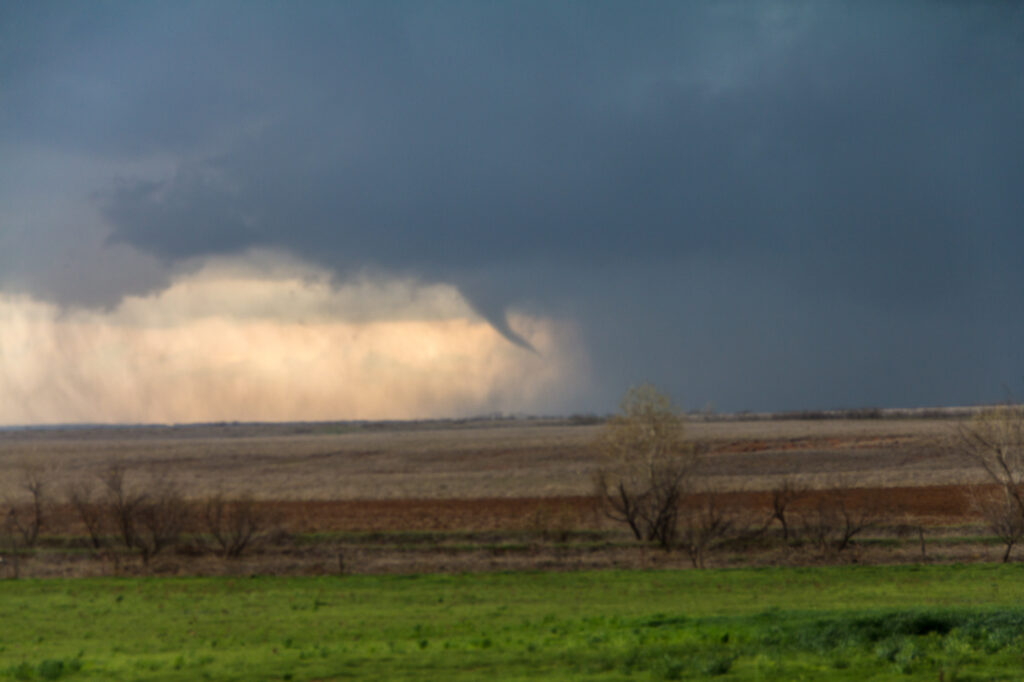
232,342
765,206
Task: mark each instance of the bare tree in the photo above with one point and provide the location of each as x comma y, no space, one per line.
839,516
234,524
22,522
29,519
784,495
122,503
994,439
160,519
1002,515
81,496
701,525
148,520
648,465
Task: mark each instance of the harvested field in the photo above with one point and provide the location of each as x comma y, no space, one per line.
484,495
486,459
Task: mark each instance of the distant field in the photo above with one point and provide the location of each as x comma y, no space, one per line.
836,623
507,494
506,458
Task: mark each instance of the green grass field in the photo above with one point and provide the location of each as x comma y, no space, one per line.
852,623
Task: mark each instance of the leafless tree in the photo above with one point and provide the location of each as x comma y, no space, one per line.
784,495
234,524
648,463
122,503
81,495
994,439
701,525
839,516
29,519
1002,515
149,519
161,518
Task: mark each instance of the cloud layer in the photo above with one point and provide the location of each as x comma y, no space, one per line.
770,206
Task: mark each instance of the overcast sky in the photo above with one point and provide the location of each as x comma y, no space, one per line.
244,210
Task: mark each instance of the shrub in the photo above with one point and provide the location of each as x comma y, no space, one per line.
148,520
234,524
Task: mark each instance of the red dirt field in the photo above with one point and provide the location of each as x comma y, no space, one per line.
935,505
930,505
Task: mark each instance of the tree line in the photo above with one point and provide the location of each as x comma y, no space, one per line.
125,514
649,480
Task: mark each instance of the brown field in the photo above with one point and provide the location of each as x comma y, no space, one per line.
485,459
486,494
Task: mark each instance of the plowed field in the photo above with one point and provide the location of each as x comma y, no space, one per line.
504,495
934,504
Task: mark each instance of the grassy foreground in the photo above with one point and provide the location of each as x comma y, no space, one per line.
855,623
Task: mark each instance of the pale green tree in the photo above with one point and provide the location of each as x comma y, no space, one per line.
647,466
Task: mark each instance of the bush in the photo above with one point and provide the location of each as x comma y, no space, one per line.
148,520
234,524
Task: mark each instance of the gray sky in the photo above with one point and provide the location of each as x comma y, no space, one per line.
759,206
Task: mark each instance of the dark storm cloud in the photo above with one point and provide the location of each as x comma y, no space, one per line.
734,199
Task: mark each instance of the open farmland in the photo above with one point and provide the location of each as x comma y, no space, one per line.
480,459
500,494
